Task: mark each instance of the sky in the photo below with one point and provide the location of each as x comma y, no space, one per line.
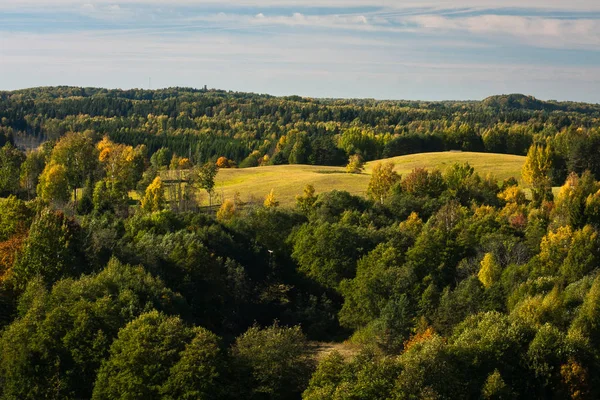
383,49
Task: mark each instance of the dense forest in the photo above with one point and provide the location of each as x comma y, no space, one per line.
440,284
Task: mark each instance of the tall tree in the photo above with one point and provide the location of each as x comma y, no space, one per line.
536,172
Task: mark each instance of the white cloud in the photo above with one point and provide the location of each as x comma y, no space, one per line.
548,32
572,5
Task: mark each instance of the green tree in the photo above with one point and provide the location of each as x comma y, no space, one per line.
275,359
53,250
206,179
157,356
305,202
31,169
328,252
58,342
10,165
78,155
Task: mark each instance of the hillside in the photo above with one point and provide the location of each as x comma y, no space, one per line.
289,180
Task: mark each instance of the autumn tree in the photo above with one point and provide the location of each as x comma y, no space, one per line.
154,198
536,172
271,201
78,155
227,211
355,165
53,184
383,177
224,162
490,270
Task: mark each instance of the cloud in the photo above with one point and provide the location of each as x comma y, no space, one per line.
572,5
552,32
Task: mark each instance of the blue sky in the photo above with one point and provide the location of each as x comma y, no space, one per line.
385,49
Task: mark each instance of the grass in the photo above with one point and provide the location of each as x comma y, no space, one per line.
287,181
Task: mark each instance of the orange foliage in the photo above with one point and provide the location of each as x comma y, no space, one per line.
8,252
420,337
223,162
575,378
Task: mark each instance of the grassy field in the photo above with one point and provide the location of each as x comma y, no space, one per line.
289,180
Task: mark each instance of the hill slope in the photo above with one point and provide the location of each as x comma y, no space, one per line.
289,180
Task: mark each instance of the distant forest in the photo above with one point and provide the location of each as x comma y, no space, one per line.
252,130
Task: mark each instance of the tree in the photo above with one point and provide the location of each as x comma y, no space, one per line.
273,362
53,250
154,198
328,252
77,153
536,172
31,170
56,346
10,165
157,356
206,179
495,388
490,270
271,200
305,202
227,211
383,178
224,162
355,165
53,184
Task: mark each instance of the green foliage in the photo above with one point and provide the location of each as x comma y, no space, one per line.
274,362
56,346
11,160
156,356
53,250
327,252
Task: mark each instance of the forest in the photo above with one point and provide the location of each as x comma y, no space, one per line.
116,282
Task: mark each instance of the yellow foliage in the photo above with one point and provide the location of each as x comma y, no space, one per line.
555,247
271,201
490,270
227,210
383,177
154,198
513,195
413,225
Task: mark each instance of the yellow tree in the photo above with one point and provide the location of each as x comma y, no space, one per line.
383,178
490,270
536,172
227,211
355,165
154,199
54,184
271,201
